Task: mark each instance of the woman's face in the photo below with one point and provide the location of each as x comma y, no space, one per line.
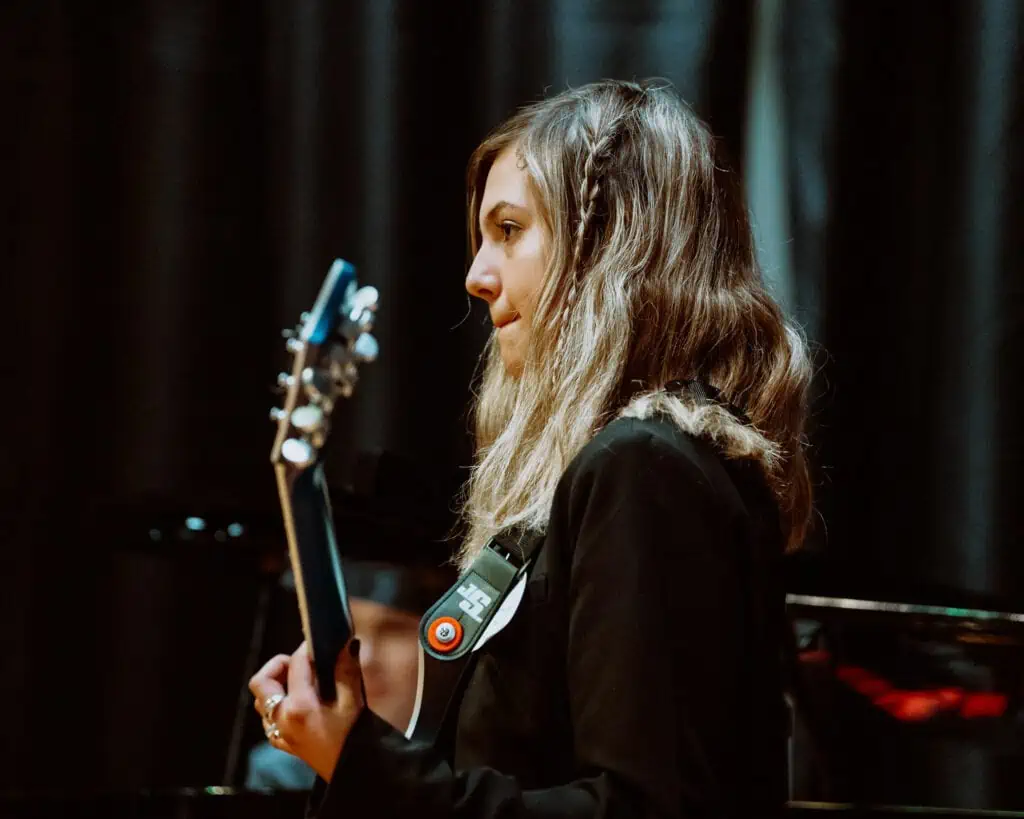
508,270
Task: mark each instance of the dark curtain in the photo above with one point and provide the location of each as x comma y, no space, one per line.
906,174
177,177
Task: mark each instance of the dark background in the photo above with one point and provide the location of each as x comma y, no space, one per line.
177,176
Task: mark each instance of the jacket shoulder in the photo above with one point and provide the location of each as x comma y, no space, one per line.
637,456
643,441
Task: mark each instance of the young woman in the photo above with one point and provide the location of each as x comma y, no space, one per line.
641,417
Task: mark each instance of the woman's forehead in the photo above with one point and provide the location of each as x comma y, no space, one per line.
507,181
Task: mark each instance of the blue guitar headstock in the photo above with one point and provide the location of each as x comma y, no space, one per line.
328,346
332,340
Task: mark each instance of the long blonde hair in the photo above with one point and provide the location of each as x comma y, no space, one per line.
651,277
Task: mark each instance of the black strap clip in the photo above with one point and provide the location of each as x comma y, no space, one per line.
454,624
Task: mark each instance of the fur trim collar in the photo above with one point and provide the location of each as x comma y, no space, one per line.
710,420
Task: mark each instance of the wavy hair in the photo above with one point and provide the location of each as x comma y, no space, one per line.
651,277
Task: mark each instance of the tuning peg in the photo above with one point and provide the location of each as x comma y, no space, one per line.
285,380
366,348
293,345
366,298
361,308
317,384
308,419
303,317
277,415
298,452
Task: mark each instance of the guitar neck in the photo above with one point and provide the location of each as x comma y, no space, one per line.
316,564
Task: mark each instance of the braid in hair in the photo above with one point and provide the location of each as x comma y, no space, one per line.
589,190
590,187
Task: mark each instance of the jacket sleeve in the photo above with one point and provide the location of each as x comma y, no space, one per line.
651,660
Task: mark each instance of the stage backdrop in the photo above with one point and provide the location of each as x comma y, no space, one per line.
179,174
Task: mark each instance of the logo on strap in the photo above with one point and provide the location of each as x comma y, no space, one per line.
454,624
474,600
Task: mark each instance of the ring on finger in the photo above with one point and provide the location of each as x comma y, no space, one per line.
269,706
271,730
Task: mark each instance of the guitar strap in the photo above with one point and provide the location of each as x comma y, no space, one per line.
456,623
478,606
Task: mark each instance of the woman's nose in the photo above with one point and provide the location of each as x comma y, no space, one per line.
483,280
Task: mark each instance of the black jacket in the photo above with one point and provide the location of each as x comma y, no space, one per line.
640,677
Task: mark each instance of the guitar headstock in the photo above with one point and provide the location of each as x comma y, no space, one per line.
328,346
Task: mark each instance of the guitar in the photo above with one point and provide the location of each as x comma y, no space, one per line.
331,342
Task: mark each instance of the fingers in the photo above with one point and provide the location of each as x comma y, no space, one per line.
301,724
347,669
265,683
269,680
279,742
348,677
300,674
302,697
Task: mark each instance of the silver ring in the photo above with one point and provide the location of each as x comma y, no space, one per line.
271,730
269,704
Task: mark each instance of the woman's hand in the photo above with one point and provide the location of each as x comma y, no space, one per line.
300,723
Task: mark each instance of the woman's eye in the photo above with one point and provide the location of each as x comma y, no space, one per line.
509,230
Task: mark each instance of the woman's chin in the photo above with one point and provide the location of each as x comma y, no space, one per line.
513,367
510,356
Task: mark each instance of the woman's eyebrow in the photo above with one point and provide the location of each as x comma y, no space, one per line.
495,209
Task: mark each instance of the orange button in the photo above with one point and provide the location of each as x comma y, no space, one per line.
444,634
